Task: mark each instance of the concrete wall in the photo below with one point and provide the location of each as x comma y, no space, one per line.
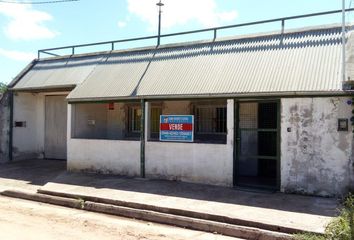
4,127
116,122
192,162
102,156
96,121
200,163
176,107
28,141
315,157
90,121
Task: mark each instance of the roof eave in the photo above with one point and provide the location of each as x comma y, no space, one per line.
226,95
21,74
45,88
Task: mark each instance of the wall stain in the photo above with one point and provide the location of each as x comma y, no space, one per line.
316,153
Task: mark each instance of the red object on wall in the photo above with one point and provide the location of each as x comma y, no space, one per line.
176,126
111,106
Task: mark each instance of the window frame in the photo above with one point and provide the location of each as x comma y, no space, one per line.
213,136
131,133
154,136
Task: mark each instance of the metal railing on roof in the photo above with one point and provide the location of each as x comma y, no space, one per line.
48,51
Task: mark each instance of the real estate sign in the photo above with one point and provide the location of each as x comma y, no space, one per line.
177,128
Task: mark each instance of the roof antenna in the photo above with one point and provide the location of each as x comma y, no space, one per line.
159,4
343,40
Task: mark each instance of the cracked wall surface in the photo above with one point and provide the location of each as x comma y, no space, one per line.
4,127
316,158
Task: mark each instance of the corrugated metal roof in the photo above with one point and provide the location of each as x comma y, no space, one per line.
118,75
299,62
58,73
303,61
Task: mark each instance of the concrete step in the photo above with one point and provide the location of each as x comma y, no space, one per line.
174,211
227,229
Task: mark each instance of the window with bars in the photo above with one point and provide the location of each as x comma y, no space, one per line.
210,123
155,113
133,121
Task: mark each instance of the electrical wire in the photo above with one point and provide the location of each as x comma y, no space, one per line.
40,2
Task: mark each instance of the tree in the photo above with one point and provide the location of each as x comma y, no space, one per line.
3,87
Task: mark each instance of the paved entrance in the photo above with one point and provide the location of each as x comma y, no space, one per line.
29,174
284,210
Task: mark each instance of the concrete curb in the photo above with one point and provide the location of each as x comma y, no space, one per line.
60,201
174,211
148,215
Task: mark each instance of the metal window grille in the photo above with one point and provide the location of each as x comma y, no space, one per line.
211,119
134,119
210,123
155,122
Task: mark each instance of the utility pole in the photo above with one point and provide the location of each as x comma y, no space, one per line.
159,4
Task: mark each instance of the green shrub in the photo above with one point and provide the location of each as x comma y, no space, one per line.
340,228
3,87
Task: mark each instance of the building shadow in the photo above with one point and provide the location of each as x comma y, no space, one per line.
41,172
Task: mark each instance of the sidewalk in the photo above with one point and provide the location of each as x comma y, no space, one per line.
283,210
29,174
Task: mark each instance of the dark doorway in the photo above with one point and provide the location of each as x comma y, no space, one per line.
257,145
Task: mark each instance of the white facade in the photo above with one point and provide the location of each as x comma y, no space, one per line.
104,156
193,162
316,158
28,140
120,157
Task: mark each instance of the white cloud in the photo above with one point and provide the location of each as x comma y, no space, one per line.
25,22
227,16
17,55
180,12
121,24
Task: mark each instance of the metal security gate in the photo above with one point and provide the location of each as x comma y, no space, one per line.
55,127
257,145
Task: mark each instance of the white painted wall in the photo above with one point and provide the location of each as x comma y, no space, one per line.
176,107
28,142
116,122
193,162
108,124
104,156
315,157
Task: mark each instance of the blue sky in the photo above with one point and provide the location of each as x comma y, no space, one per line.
25,28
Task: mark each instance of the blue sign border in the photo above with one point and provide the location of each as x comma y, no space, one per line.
189,120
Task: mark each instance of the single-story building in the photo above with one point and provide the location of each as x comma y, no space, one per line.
268,111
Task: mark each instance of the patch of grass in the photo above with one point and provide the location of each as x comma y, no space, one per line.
309,236
81,202
340,228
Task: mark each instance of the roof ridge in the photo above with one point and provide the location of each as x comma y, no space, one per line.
202,42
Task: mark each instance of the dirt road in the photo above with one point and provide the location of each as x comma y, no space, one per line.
26,220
